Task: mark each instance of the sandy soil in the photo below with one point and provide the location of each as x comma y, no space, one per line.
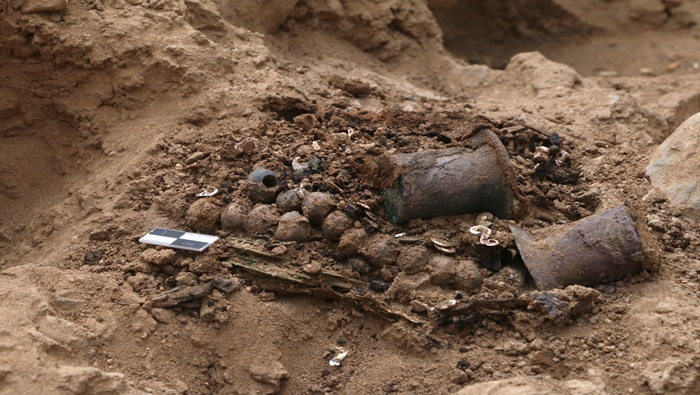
114,114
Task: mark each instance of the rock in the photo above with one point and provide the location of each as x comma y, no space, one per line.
306,122
158,257
247,147
508,279
140,281
164,316
35,6
467,276
100,235
381,250
203,15
233,217
260,219
69,335
413,259
535,386
563,305
317,205
648,11
674,165
289,201
655,222
250,14
205,263
442,270
195,157
335,224
540,74
203,215
378,286
9,101
359,265
515,347
654,196
314,267
293,227
68,299
4,372
86,380
672,376
142,267
142,322
351,241
352,86
268,373
405,286
213,308
186,279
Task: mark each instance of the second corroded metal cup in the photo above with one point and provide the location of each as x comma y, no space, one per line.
601,248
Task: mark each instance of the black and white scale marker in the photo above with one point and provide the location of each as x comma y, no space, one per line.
178,239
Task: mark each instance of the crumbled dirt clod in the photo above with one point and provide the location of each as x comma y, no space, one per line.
442,270
413,259
405,286
563,305
317,205
336,224
233,217
186,279
354,87
381,250
351,242
262,218
293,226
205,263
468,276
204,215
359,265
289,201
306,121
509,279
158,257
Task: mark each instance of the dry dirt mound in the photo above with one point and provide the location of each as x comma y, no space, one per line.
115,114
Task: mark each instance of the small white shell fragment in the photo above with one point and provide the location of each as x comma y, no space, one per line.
316,146
340,354
488,242
446,250
441,243
297,165
444,305
480,230
486,216
364,206
542,148
207,192
400,235
539,156
484,234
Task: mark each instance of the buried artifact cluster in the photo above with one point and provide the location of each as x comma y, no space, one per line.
304,234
